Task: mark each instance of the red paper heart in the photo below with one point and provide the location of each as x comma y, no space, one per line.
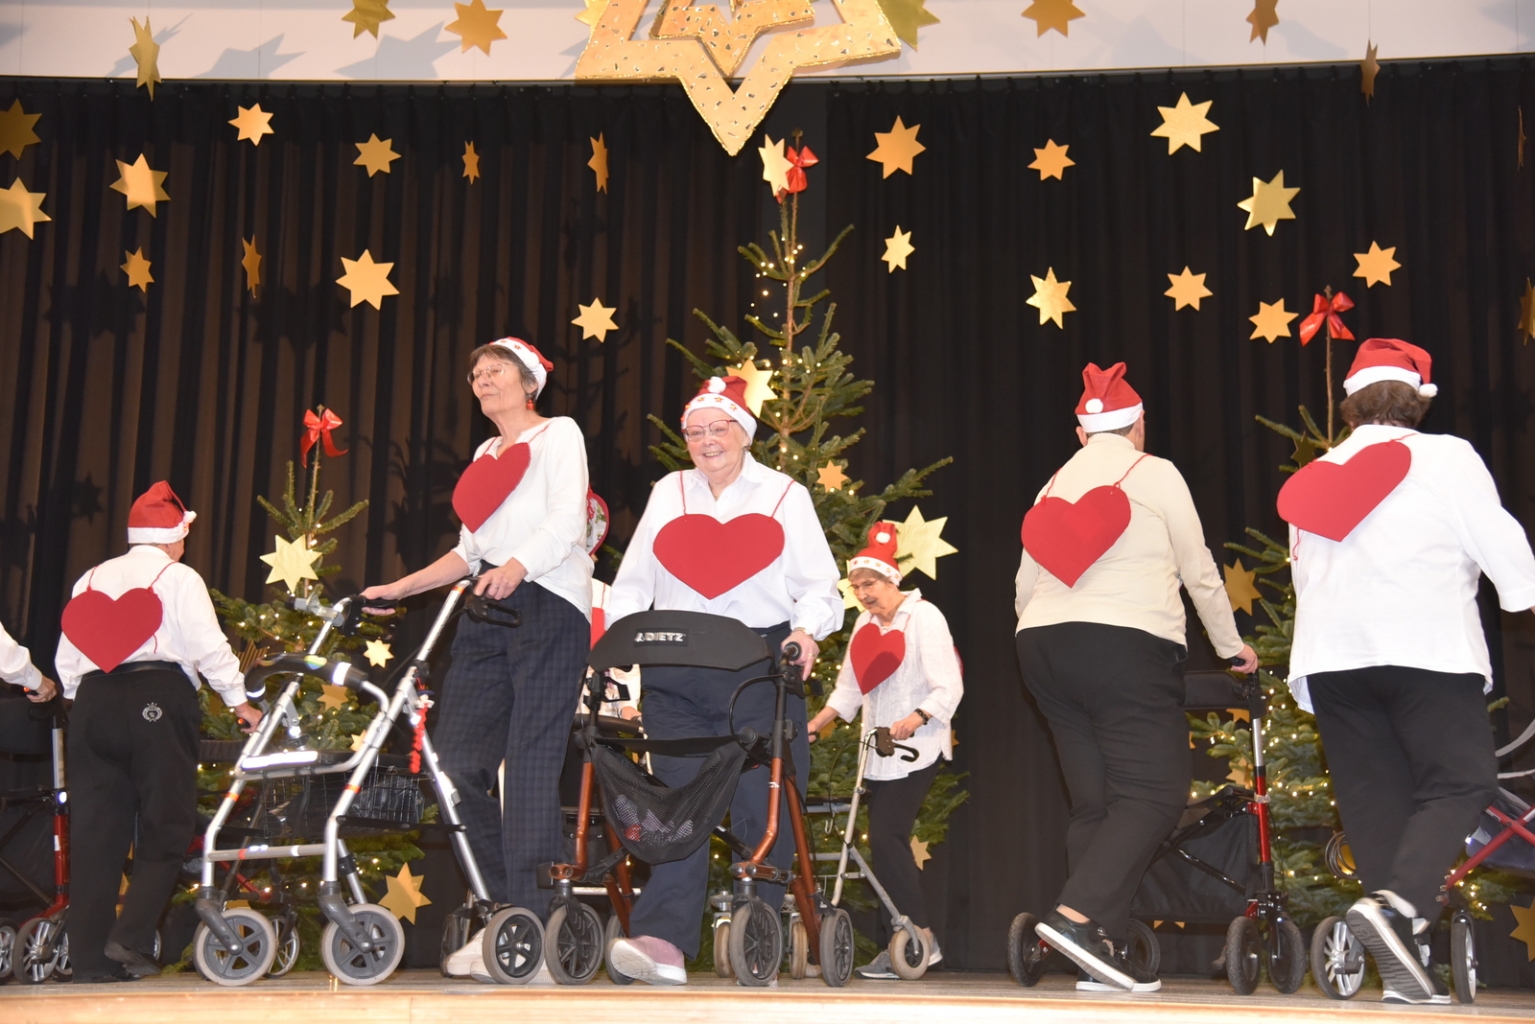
713,557
876,655
1329,499
487,483
107,631
1068,537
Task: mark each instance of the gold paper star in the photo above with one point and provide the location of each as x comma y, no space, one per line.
471,162
367,15
593,13
332,697
292,561
1240,776
366,280
596,320
919,852
1056,14
1368,69
21,209
378,653
1051,161
476,25
1269,204
1376,265
1263,18
775,166
759,385
253,123
919,543
1185,124
831,477
137,269
1303,452
1525,933
141,184
251,261
1272,321
1050,298
599,162
897,247
848,600
16,132
1187,289
359,741
376,154
906,16
405,896
1240,590
1239,714
146,54
1526,308
897,148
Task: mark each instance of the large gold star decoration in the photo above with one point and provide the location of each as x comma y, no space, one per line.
367,15
897,148
332,697
1185,124
291,562
1050,298
775,166
471,162
1263,17
1376,265
759,384
1526,309
599,161
366,280
1368,69
251,261
137,269
1056,14
1525,933
1240,589
1271,321
1269,204
143,185
596,320
848,599
897,247
21,209
253,123
831,477
405,896
1052,161
476,25
919,853
1187,289
376,154
16,132
378,653
919,543
146,54
906,16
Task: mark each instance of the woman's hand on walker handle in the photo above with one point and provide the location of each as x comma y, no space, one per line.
382,592
1246,661
906,727
808,649
498,584
249,716
822,719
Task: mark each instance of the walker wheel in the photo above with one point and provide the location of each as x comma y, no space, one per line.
288,945
231,970
799,949
7,948
352,965
756,943
1463,956
1286,956
1337,959
1244,955
575,948
456,928
909,953
611,934
837,947
1145,951
513,946
722,948
1025,955
35,956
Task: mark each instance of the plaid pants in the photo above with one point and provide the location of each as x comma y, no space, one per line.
511,696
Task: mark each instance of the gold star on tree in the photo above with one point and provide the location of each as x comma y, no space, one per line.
1272,321
471,162
1187,289
592,13
1056,14
775,166
251,261
367,15
1050,298
1305,450
376,154
897,247
332,697
906,16
1051,161
476,25
759,385
21,209
897,148
1376,265
1185,124
599,161
405,896
292,561
143,185
16,132
831,477
596,320
146,54
1368,69
366,280
919,852
919,543
1240,589
253,123
1263,17
1269,204
378,653
1525,933
358,742
137,269
1526,308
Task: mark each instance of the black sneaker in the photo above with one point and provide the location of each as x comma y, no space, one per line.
134,962
1087,946
1388,935
1441,996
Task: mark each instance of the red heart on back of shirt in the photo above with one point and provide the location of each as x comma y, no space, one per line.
1068,537
876,655
713,557
107,631
487,483
1330,498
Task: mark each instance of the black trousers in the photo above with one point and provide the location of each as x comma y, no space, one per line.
893,805
132,750
1411,757
1113,698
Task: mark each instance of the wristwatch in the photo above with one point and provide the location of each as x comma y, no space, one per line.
926,718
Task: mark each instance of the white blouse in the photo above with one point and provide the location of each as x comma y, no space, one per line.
16,665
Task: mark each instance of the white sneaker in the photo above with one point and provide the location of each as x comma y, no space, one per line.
878,969
477,970
935,954
462,962
648,959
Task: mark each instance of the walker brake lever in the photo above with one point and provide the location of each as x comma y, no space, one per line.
483,609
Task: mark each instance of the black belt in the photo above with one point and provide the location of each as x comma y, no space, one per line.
130,667
768,630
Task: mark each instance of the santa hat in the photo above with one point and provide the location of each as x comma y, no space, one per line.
158,517
1108,401
1381,359
596,521
728,394
880,554
530,357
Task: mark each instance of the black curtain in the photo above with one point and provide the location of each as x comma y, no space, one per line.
200,382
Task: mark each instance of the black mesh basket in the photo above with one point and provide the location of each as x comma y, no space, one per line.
1221,833
659,824
390,801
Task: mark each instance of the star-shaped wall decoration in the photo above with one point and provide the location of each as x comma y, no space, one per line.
1269,204
920,543
471,162
1185,124
1263,17
21,209
476,25
1056,14
367,15
775,166
1525,932
1376,265
378,653
906,16
366,280
759,385
1052,161
596,320
146,54
405,896
292,562
1187,289
1240,589
848,600
831,476
897,247
376,154
253,123
1368,69
137,269
332,696
142,184
919,853
251,261
16,132
1527,312
599,161
897,148
1050,298
1271,321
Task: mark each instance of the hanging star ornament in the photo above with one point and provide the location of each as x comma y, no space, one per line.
897,148
919,543
1264,16
143,185
1185,124
599,161
253,123
1376,265
759,385
1368,69
1050,298
596,320
16,132
292,562
1052,161
831,477
919,853
1526,310
775,166
251,261
137,269
1525,932
897,247
378,653
21,209
1269,204
405,896
1271,321
476,25
332,697
367,15
906,16
471,162
146,54
1187,289
376,154
1056,14
1240,589
366,280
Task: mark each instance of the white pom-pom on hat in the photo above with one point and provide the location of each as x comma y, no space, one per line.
882,537
1095,405
1428,390
716,384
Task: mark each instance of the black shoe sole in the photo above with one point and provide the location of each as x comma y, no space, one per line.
1101,969
1398,966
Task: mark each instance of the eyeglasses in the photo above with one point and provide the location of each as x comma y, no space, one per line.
717,429
489,373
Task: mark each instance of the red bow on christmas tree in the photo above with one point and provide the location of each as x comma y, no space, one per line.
1325,310
801,158
318,428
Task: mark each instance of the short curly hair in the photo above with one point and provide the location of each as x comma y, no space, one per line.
1391,402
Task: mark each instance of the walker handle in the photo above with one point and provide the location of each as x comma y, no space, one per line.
483,609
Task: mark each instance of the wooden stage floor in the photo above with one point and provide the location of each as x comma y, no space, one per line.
424,997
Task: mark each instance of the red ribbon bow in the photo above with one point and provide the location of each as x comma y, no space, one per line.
801,158
1325,311
318,428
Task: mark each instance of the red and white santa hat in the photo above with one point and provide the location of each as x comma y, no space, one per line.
1108,401
158,517
728,394
880,554
530,357
1381,359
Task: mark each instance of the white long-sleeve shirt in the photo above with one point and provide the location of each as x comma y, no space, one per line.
189,632
1401,588
1135,582
928,678
16,665
542,523
798,587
